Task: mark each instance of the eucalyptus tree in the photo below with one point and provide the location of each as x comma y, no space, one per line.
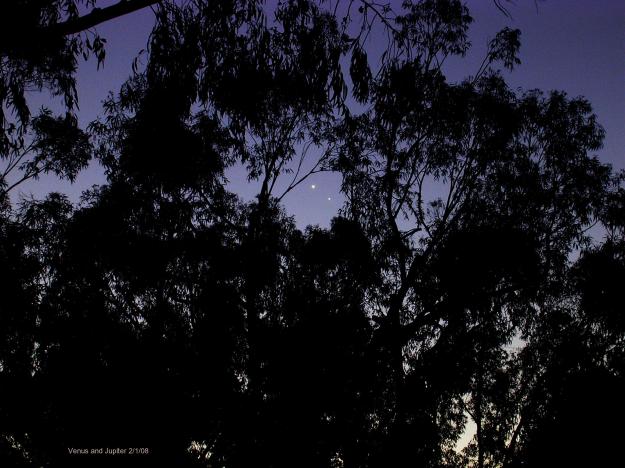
41,44
466,271
216,333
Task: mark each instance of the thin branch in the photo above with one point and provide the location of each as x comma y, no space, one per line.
315,169
14,162
26,177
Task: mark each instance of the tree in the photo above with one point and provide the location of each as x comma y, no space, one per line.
216,333
517,166
43,55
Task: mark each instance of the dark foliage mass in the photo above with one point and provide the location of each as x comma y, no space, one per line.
459,288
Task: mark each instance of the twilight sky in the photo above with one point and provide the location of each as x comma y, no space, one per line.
573,45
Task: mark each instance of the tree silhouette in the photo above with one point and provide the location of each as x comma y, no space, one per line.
164,312
41,54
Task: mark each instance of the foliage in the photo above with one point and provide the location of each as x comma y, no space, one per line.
164,312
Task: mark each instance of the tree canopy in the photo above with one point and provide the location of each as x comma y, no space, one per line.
458,287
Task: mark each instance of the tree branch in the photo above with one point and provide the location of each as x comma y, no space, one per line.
97,16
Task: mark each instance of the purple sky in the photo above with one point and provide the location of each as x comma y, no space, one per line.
573,45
